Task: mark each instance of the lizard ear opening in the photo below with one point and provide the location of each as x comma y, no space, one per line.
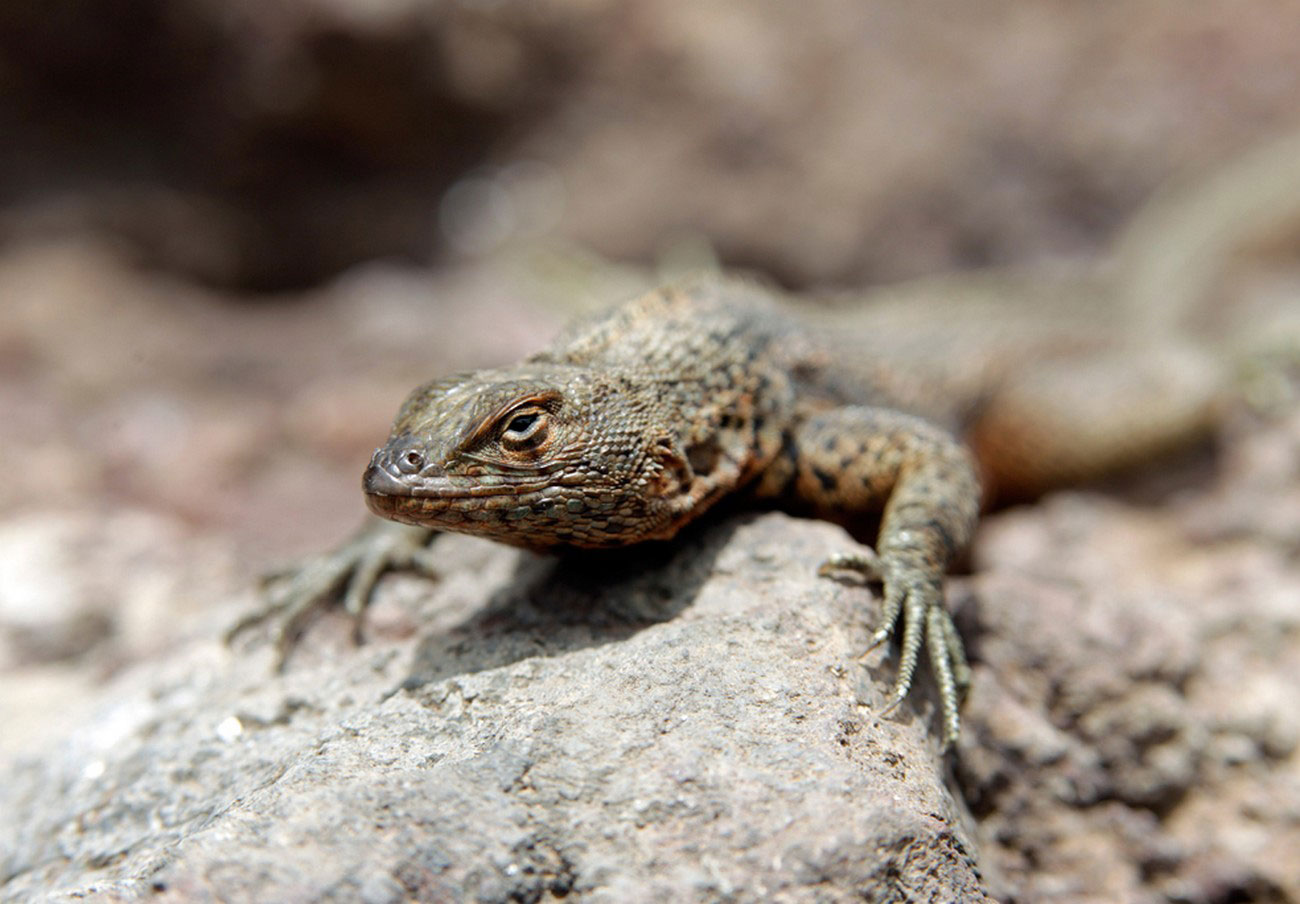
704,456
674,475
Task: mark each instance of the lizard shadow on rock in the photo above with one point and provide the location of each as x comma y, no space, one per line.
556,604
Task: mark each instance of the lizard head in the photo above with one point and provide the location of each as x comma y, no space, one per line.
538,456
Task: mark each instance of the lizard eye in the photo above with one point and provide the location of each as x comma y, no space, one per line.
521,423
525,429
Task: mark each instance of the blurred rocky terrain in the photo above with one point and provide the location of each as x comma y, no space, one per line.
272,145
234,235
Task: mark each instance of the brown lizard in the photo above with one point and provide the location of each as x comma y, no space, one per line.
634,423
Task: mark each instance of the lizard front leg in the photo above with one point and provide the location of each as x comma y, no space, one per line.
848,462
354,568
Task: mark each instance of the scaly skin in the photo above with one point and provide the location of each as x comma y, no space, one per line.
637,423
634,423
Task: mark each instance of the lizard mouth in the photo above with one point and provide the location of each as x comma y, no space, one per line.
434,501
418,510
381,482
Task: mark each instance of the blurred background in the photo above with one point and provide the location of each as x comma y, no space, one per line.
234,234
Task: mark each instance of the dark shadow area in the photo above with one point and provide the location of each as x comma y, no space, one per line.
558,604
247,148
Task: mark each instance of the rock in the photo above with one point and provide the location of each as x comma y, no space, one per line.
83,591
683,723
1133,733
687,722
72,581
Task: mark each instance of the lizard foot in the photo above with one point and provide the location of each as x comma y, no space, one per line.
913,593
295,593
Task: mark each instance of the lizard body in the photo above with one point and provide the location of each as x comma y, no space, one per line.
639,420
635,422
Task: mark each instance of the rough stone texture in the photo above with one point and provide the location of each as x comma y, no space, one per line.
676,726
1135,734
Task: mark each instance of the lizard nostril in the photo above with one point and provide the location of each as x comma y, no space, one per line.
410,462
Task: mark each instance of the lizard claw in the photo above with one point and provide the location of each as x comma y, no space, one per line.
294,594
864,562
914,597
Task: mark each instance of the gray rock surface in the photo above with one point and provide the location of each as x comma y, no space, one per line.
689,723
684,725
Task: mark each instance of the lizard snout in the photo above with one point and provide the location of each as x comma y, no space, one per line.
378,482
393,467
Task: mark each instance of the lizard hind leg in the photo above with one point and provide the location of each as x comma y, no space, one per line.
855,460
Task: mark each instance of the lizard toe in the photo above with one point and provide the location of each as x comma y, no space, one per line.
913,598
294,595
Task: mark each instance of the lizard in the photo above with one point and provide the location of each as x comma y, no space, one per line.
1049,377
635,422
